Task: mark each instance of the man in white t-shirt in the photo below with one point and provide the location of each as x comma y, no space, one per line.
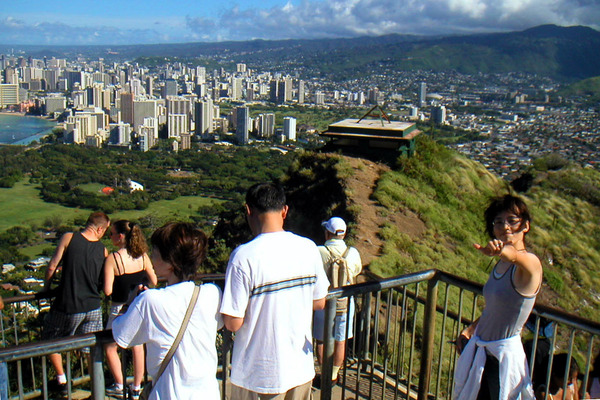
272,285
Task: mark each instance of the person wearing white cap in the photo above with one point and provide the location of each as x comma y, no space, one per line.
337,256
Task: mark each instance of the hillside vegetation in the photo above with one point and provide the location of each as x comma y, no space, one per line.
431,212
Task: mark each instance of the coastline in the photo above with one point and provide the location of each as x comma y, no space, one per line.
31,131
22,114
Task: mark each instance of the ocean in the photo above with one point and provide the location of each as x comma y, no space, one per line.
16,129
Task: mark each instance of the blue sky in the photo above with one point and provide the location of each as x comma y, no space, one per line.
114,22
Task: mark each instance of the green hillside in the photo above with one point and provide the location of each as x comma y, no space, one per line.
588,87
447,193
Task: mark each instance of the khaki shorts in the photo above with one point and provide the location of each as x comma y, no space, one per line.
302,392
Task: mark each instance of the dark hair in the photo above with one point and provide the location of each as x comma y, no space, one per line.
559,366
182,245
264,197
97,219
505,203
135,242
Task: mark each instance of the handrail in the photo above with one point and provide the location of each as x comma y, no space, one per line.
395,285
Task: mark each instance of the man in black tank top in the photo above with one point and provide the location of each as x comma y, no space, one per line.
76,307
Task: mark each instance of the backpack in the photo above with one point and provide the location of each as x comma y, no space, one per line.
337,273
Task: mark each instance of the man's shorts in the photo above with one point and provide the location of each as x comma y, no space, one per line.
339,326
59,324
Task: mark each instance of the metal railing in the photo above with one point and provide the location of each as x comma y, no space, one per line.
404,338
402,345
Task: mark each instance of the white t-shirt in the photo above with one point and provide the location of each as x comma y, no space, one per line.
271,282
155,317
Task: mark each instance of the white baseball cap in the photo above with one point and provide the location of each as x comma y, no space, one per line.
335,225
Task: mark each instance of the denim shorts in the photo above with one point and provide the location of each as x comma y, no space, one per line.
339,326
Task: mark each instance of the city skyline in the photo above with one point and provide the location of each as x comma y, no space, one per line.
137,22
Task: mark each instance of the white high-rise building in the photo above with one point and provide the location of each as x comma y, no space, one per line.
289,128
79,127
177,124
301,92
9,94
422,94
235,88
204,115
319,98
266,125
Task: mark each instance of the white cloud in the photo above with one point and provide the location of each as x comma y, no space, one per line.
347,18
307,19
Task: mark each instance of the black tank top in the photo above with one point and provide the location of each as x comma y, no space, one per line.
123,284
81,278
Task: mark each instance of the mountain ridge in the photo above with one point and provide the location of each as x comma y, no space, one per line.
565,53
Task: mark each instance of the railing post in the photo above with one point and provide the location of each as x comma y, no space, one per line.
328,344
97,371
428,338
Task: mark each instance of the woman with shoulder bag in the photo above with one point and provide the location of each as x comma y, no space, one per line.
177,323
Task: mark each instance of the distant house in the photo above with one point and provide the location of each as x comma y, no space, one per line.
37,263
31,281
133,186
108,190
6,268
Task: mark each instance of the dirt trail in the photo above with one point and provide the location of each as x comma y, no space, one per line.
372,216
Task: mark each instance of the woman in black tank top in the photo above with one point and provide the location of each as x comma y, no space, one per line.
124,271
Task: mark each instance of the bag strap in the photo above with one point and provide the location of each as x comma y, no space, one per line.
184,325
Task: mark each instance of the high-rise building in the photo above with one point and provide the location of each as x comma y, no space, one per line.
150,86
242,125
284,90
79,127
143,109
301,92
203,117
146,138
200,75
170,88
177,124
422,94
289,128
319,98
185,141
179,105
235,88
266,125
127,108
119,134
11,76
438,114
241,68
9,94
55,104
273,91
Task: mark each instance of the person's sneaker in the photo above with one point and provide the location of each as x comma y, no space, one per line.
114,391
58,388
134,394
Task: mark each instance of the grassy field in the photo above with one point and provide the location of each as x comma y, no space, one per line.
22,205
92,187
